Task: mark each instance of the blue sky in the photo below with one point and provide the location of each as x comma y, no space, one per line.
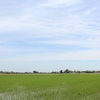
49,35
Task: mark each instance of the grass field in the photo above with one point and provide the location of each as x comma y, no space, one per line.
50,87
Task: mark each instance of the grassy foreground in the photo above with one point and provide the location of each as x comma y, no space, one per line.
50,87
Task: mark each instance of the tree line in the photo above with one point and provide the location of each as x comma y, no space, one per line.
67,71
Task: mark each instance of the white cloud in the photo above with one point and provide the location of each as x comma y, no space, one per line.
81,55
55,3
90,11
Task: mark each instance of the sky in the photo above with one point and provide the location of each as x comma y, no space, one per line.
49,35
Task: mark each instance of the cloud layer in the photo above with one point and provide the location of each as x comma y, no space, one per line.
44,30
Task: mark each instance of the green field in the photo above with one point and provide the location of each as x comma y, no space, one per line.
50,87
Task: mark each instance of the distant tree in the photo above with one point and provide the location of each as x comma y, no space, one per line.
61,71
35,71
66,71
78,71
54,72
1,72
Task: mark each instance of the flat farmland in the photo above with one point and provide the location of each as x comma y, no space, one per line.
50,87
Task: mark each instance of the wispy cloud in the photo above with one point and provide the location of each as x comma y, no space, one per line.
54,3
49,30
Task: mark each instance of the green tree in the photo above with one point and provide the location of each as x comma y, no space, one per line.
61,71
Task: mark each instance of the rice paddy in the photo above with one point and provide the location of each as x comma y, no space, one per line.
50,87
